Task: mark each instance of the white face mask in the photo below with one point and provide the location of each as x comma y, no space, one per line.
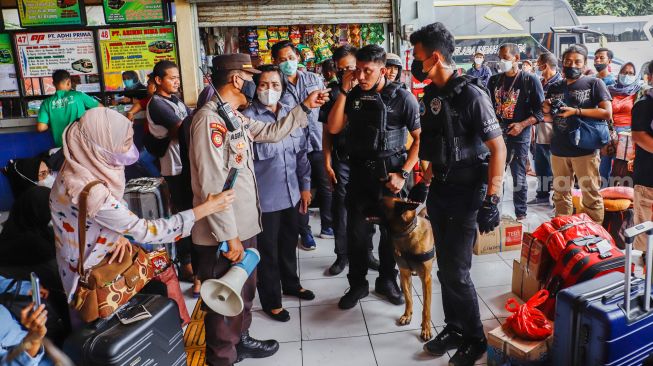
478,61
47,182
627,79
269,97
505,65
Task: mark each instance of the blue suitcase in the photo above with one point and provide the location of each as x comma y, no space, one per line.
606,321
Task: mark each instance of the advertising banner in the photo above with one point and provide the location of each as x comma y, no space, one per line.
38,13
40,54
133,11
8,80
134,50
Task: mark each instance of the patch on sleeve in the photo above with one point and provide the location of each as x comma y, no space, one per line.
218,132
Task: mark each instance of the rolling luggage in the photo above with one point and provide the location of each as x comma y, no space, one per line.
608,320
158,340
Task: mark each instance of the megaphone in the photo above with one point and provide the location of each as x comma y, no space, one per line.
223,295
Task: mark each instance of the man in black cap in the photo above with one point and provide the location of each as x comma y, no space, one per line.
216,146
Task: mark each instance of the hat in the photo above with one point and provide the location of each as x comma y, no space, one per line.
236,61
392,59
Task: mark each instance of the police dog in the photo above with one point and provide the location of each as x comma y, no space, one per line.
414,250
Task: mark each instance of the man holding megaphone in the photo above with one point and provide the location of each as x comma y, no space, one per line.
220,140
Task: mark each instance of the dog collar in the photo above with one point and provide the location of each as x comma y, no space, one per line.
411,228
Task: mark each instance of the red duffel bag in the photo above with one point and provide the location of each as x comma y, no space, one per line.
556,233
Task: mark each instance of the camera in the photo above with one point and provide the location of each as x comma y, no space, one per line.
556,105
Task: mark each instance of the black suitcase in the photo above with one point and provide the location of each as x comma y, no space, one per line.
158,340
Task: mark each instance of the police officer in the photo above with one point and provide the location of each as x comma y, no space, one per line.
215,147
460,130
379,114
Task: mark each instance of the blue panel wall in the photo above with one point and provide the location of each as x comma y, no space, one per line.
19,145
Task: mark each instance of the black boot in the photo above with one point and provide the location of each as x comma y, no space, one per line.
469,352
372,262
355,293
390,289
446,340
253,348
338,266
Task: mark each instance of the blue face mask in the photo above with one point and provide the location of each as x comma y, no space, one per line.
627,79
289,68
129,83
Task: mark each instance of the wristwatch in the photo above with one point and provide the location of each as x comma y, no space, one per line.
493,199
405,174
305,108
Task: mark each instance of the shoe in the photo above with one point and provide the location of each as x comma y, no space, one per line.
338,266
372,262
389,289
521,217
446,340
249,347
307,242
303,294
327,233
282,316
539,201
469,352
352,296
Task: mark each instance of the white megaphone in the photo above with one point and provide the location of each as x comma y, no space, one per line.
223,295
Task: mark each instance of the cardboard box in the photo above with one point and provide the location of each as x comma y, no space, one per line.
524,284
505,348
535,259
507,236
625,146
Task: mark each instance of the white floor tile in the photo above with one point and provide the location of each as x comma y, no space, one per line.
510,255
437,310
383,317
324,248
485,258
316,268
495,298
356,351
489,274
328,291
289,354
403,349
288,302
264,327
327,321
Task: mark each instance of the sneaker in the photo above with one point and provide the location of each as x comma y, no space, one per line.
307,242
469,352
448,339
389,289
338,266
353,295
539,201
327,233
253,348
372,262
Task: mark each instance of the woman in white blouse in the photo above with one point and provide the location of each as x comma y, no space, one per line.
98,147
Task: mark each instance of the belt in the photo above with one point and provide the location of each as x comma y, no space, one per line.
464,175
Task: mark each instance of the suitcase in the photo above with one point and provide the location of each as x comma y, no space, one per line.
606,321
149,198
616,224
158,340
582,260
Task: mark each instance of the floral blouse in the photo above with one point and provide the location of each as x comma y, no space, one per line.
111,222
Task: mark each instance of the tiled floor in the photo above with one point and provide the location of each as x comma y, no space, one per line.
321,334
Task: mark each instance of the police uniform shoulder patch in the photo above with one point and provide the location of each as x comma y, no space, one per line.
218,132
436,106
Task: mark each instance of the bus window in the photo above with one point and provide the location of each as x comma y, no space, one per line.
565,41
629,32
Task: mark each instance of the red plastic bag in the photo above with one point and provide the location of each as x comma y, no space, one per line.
527,321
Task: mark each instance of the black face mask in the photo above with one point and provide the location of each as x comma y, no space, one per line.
416,70
600,67
572,73
248,89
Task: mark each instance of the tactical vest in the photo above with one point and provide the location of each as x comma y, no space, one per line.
450,144
368,136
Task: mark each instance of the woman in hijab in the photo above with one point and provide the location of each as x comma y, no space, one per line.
98,147
624,93
27,173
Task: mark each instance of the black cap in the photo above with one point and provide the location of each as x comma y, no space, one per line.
236,61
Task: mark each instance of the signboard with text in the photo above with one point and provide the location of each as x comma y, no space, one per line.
39,13
40,54
8,80
135,49
133,11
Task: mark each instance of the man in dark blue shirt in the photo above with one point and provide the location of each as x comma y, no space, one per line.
479,69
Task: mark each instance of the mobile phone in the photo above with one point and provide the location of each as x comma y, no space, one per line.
133,314
36,293
231,179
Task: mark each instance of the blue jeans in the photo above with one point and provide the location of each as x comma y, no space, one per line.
605,169
543,170
516,158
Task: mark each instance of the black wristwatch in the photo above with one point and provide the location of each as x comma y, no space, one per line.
305,108
493,199
343,91
405,174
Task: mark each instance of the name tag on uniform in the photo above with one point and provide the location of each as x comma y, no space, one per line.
236,135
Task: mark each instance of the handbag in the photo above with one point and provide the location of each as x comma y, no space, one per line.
591,134
104,288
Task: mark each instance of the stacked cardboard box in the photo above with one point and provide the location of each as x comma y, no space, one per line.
505,348
535,258
523,284
507,236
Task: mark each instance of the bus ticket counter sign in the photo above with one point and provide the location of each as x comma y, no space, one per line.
40,13
133,11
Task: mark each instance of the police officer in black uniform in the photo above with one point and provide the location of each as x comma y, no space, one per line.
462,141
379,114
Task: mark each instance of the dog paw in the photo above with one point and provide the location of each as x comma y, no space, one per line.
426,334
405,319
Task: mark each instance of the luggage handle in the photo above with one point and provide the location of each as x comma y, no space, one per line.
631,234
